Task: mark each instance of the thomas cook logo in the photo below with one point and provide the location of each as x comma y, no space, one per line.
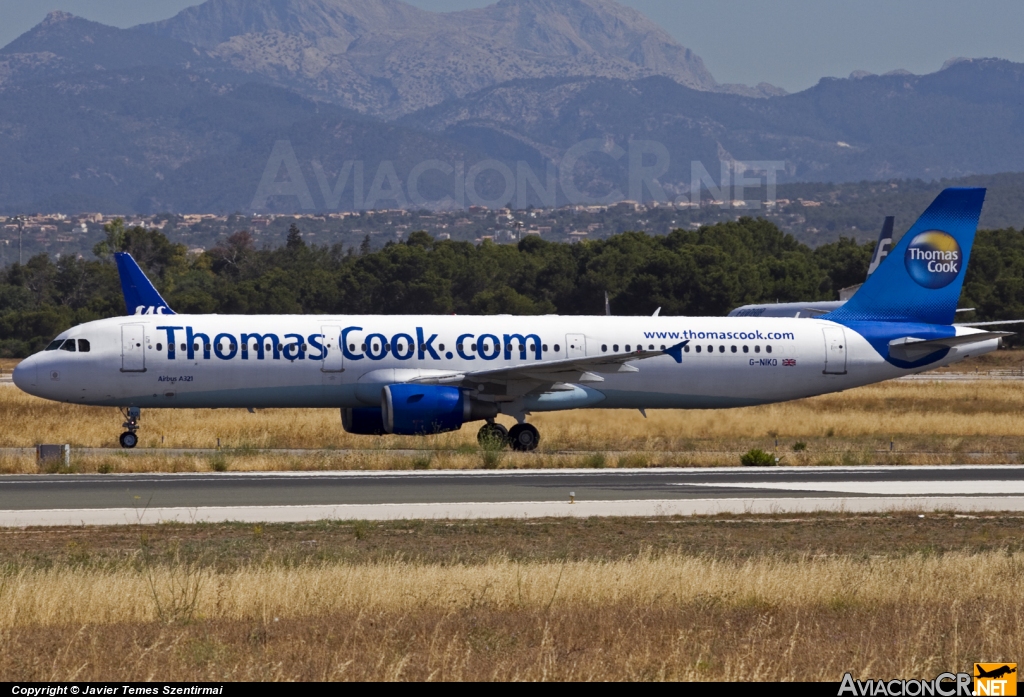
933,259
995,679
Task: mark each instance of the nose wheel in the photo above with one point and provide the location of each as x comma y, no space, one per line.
129,439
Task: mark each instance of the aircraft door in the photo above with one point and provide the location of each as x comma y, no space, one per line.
133,356
575,346
835,350
334,359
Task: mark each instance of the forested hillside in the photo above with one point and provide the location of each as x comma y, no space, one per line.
687,272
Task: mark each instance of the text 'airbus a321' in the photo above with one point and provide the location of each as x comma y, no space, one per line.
423,374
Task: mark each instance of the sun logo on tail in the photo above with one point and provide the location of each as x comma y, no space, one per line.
933,259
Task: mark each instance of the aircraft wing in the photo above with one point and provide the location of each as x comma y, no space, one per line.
910,349
519,380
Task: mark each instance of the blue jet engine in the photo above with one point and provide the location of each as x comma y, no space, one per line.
410,410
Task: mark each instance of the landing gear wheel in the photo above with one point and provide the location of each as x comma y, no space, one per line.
492,434
128,439
524,437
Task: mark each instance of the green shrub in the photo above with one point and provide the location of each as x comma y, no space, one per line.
755,457
799,446
594,461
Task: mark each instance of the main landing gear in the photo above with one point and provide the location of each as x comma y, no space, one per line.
129,439
522,437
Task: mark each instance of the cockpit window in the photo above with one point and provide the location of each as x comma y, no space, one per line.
69,345
83,345
54,345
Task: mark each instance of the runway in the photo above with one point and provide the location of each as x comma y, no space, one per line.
301,496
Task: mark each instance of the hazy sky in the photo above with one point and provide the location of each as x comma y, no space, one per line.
789,43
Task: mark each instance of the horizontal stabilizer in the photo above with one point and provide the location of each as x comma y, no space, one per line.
910,349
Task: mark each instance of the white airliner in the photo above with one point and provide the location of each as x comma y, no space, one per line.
420,374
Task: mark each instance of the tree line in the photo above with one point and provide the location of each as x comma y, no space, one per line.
707,271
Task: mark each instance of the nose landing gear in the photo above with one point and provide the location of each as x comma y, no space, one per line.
129,439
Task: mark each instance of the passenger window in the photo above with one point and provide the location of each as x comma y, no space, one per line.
206,347
544,347
768,348
650,347
615,348
54,345
159,347
721,349
711,349
627,348
698,349
83,345
733,348
362,348
686,349
302,347
440,347
663,347
183,347
604,348
472,347
69,345
757,349
557,348
746,349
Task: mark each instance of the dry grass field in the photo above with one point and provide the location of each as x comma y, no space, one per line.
899,422
801,598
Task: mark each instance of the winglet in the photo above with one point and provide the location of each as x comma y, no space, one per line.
677,350
140,297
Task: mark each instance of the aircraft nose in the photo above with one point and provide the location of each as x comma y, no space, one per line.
25,373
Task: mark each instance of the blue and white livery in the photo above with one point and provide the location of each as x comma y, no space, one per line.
421,374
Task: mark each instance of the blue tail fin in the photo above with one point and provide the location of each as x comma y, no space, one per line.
920,280
140,297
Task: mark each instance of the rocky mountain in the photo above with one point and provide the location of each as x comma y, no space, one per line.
63,44
168,118
388,58
149,139
959,121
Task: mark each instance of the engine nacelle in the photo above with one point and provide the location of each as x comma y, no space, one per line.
364,421
414,410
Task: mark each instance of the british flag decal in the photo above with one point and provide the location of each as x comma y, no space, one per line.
788,361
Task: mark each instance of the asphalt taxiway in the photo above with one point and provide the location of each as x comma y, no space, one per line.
105,499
